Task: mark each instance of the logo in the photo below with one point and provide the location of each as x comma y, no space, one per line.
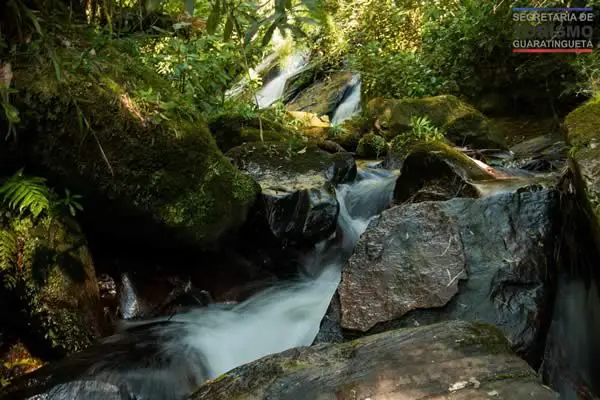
553,30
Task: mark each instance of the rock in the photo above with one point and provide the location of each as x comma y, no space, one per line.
149,170
452,360
437,171
53,302
298,83
233,129
297,186
322,97
412,256
313,126
540,154
583,135
408,258
331,146
371,146
462,123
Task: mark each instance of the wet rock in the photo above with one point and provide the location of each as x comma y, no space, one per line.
371,146
452,360
297,186
148,361
501,245
584,139
462,123
437,171
331,147
409,258
540,154
301,81
52,297
322,97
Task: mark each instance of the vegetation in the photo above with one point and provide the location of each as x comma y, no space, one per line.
422,131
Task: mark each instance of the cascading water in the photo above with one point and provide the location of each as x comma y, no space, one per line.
273,90
350,104
168,358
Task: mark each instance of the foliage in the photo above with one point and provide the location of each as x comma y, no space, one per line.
30,194
422,131
371,145
26,194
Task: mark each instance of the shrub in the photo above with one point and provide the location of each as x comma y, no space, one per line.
422,131
371,145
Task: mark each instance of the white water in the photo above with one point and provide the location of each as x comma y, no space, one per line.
273,90
350,105
168,358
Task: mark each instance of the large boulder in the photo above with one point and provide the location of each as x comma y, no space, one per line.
546,153
437,171
462,123
232,129
52,300
323,97
453,360
298,186
412,257
117,133
583,135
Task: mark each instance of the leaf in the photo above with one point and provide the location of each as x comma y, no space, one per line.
214,18
189,6
282,30
307,20
297,31
311,5
269,34
228,28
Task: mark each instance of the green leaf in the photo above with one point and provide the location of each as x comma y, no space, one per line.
189,6
214,18
228,28
297,31
269,34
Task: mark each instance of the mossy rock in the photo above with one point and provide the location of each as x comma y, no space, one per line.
148,166
583,135
323,97
438,171
462,123
231,129
453,360
51,279
371,145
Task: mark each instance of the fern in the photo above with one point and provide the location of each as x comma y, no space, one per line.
26,193
8,249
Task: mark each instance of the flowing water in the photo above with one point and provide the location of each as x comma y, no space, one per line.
350,104
273,90
167,358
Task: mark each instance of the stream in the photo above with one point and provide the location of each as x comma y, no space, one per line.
168,357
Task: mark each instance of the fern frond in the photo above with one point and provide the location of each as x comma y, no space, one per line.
8,250
26,193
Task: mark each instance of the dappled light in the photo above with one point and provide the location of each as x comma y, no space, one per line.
299,199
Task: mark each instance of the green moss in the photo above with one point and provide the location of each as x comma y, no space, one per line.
55,282
462,123
371,145
232,129
148,151
487,337
583,125
292,157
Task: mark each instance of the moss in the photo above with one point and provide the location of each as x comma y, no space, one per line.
462,123
232,129
583,135
487,337
283,157
55,284
583,125
148,153
371,145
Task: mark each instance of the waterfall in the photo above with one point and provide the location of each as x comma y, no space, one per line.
350,104
273,90
167,358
